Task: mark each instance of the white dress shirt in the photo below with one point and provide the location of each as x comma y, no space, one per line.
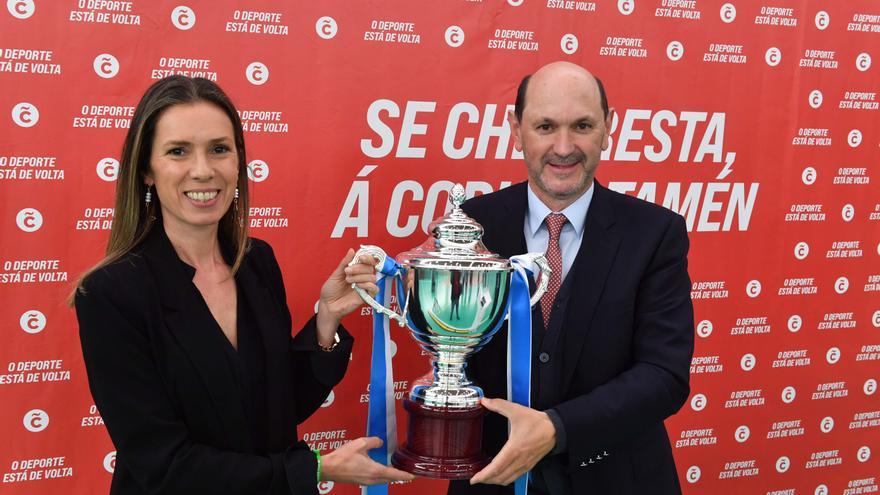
537,235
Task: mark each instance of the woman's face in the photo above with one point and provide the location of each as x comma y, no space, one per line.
194,165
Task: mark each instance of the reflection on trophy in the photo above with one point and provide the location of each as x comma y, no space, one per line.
457,298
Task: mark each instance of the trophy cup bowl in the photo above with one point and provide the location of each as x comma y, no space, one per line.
457,297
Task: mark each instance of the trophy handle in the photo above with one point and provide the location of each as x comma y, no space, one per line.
379,255
544,280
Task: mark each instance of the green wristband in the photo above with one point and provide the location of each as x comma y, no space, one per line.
318,458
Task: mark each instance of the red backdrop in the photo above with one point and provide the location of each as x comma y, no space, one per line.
756,120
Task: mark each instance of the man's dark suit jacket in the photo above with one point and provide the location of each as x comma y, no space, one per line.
627,341
160,377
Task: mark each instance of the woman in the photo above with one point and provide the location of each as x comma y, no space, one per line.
185,328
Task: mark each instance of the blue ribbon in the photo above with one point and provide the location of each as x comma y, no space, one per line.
519,346
381,419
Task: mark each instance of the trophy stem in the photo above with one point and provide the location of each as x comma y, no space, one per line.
449,370
448,387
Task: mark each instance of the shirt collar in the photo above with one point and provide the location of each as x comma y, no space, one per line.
576,213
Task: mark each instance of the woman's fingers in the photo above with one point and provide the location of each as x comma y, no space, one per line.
391,474
371,288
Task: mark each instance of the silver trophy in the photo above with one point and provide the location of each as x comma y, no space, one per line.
457,294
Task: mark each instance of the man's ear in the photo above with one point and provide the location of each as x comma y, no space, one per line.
515,130
609,120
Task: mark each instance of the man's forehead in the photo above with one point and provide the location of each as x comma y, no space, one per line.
569,75
562,80
557,97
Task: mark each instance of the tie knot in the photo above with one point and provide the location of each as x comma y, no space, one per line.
555,221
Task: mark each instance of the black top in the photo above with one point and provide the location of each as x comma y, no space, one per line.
248,364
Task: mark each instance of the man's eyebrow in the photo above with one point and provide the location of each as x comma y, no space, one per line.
583,118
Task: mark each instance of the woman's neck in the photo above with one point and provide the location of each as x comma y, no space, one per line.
197,247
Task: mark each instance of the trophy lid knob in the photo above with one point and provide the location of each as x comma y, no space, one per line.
457,195
457,226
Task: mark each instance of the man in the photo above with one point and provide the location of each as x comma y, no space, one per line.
612,348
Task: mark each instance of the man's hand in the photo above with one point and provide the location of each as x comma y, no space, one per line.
532,436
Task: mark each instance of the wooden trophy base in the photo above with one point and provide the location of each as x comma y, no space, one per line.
442,443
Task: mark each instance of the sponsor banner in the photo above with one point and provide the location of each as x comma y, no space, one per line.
756,121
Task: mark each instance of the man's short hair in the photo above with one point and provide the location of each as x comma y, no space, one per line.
520,104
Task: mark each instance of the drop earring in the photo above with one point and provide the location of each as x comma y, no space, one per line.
148,198
237,211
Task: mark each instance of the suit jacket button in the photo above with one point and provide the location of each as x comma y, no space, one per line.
544,357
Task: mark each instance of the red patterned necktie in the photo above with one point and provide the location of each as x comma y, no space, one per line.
554,222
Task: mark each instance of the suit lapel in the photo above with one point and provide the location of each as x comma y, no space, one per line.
509,239
591,267
268,319
190,322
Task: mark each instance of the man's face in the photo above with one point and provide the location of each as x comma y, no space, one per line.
562,134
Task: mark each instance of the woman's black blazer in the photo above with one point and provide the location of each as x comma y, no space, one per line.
168,396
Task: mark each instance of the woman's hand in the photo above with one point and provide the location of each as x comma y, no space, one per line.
351,464
338,298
